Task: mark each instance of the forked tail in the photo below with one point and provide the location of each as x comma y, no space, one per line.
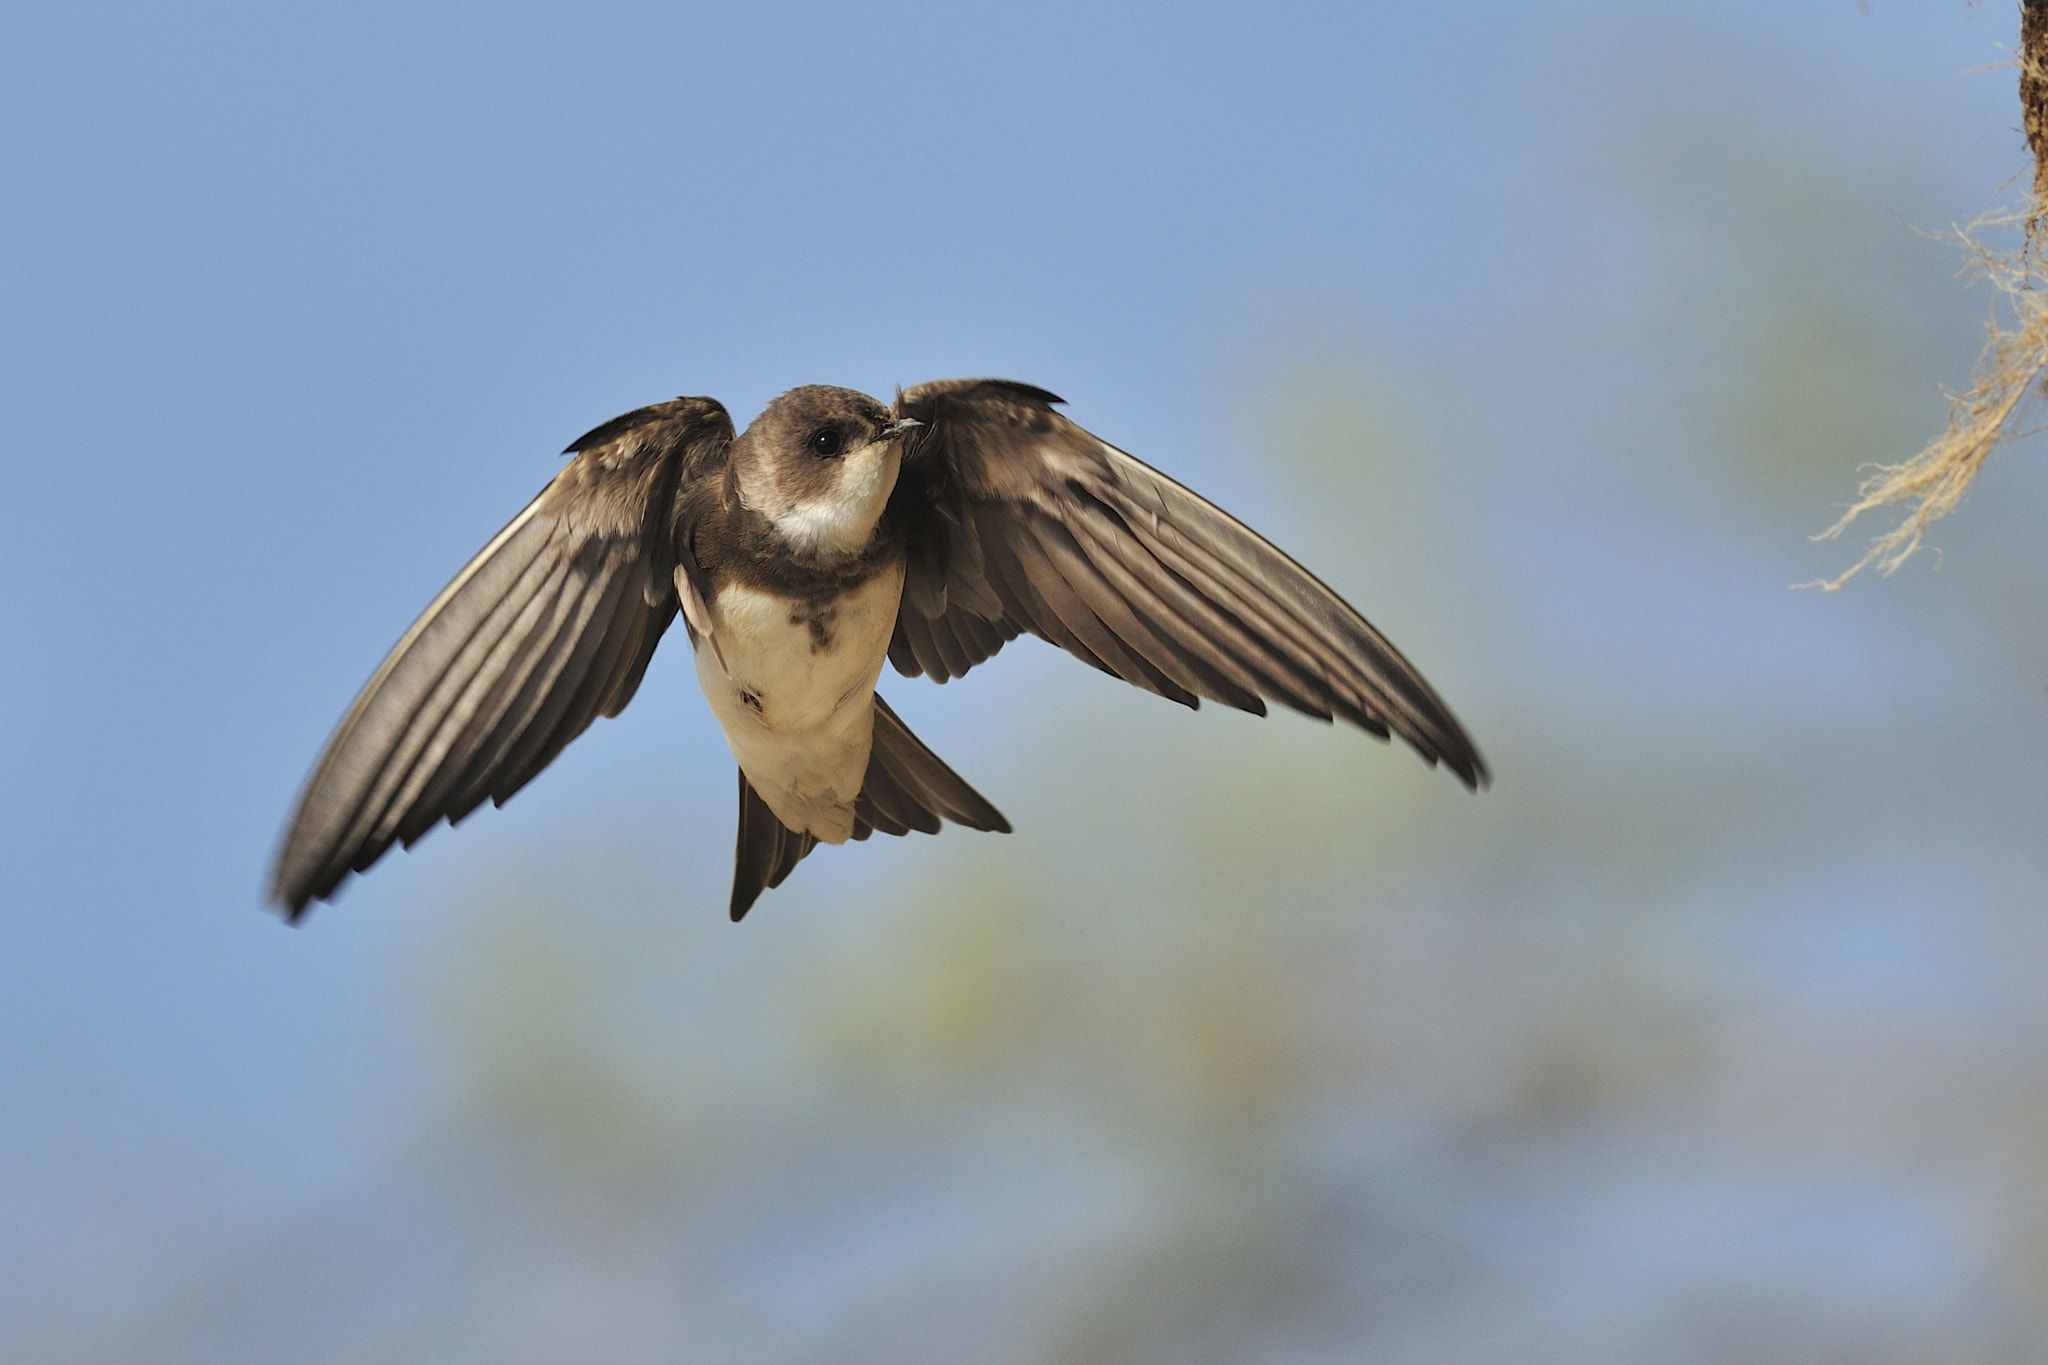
906,787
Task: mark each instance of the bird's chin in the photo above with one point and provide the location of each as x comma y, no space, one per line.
840,522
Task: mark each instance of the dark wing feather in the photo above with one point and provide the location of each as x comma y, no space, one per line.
907,787
550,627
1020,520
947,645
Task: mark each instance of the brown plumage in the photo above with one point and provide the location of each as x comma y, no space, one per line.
1000,515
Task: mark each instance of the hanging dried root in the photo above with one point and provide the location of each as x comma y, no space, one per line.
2009,372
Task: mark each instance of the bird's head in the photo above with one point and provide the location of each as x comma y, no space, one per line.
819,463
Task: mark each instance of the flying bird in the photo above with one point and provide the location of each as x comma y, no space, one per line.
831,534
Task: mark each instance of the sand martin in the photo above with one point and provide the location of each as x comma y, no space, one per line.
834,533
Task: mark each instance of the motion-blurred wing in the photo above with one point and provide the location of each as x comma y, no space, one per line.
1031,523
550,627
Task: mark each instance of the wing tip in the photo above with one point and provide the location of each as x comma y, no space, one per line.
1465,764
291,899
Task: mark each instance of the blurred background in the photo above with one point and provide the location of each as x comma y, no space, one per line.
1547,333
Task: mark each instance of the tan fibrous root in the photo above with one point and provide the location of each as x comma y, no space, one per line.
2008,378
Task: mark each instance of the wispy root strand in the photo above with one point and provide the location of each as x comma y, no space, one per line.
1983,417
2008,372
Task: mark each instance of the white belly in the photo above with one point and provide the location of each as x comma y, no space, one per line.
795,695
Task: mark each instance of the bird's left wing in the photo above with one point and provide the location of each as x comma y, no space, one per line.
548,628
1021,520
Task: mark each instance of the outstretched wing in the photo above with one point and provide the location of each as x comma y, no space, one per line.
550,627
1027,522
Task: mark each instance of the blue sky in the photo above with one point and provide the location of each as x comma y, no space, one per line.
302,304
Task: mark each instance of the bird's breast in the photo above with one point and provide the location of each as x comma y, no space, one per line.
792,682
792,662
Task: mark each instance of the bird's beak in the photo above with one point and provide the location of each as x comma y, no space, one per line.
899,427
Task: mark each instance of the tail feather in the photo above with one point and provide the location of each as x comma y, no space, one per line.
907,787
766,853
916,772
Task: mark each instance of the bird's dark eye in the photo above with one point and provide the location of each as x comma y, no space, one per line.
827,442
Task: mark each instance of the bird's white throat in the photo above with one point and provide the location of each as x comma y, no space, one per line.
841,519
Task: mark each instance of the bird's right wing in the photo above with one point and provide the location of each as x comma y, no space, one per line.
1026,522
548,628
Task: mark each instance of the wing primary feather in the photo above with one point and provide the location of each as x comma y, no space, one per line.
1362,693
349,768
551,625
521,627
598,664
556,723
1197,562
1015,586
1206,629
1062,581
538,675
652,628
460,727
1130,572
1150,635
516,713
421,710
1303,610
